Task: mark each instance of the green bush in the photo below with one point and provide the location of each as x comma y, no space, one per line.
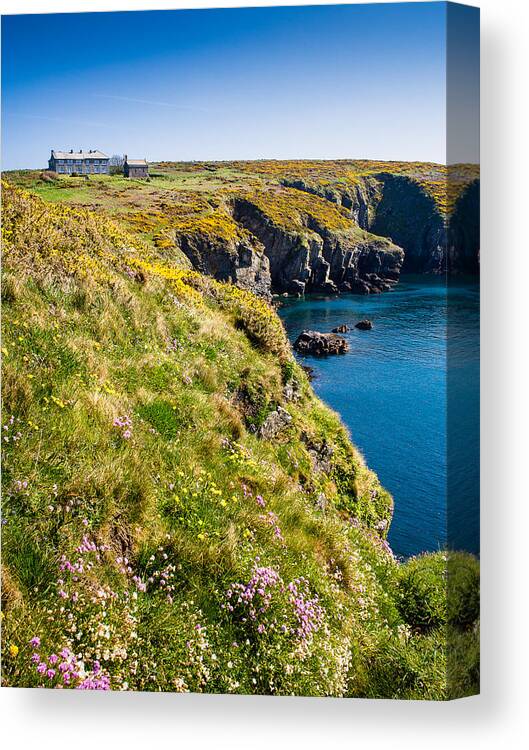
463,589
406,667
422,591
463,663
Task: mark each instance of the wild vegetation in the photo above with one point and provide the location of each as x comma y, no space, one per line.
196,196
165,527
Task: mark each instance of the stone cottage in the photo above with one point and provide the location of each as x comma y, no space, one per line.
136,168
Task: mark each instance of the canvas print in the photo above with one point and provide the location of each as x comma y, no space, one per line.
240,351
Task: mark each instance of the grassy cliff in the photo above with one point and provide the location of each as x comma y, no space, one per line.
180,512
195,196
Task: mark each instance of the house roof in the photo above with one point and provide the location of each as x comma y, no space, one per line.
137,162
79,155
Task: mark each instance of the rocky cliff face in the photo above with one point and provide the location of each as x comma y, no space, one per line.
265,257
411,217
320,259
463,232
346,235
360,200
400,208
241,261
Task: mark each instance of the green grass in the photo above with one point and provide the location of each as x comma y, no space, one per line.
138,494
195,198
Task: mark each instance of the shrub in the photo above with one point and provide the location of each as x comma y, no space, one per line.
463,589
406,667
422,591
463,662
48,176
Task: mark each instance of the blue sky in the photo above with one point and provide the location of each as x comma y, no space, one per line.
360,81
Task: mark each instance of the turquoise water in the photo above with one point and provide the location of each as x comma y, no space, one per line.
415,424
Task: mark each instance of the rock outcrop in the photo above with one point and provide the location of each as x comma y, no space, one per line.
411,217
352,236
400,208
240,260
320,454
320,344
319,259
274,423
463,232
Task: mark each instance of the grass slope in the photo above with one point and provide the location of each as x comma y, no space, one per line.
157,533
194,197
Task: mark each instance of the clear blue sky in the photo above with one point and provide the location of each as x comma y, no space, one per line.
314,82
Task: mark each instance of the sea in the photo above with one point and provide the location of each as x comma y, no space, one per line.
408,392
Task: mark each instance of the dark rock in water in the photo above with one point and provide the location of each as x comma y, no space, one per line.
310,372
320,344
364,325
360,287
341,329
297,288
